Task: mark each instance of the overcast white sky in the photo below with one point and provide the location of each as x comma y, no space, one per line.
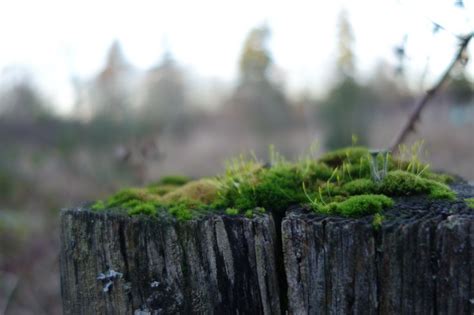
58,38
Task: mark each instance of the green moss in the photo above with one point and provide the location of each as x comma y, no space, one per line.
167,184
182,211
236,185
442,178
470,202
355,206
278,188
360,186
203,190
337,184
161,190
146,208
377,221
232,211
122,197
273,188
331,208
131,194
134,201
249,214
364,205
312,171
358,170
440,191
175,180
401,183
99,205
331,189
351,155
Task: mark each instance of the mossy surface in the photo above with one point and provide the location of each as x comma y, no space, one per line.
352,155
232,211
403,183
176,180
356,206
167,184
360,186
202,190
339,183
377,221
470,202
364,205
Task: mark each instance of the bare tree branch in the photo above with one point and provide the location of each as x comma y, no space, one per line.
415,115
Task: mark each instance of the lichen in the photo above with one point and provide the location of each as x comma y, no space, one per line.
108,278
339,183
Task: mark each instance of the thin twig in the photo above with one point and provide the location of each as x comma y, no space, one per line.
415,115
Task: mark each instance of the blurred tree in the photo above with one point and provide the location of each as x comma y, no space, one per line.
345,58
387,89
255,59
257,100
110,91
345,110
165,102
345,113
21,102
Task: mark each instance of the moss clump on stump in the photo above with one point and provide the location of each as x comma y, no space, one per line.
356,206
470,202
339,183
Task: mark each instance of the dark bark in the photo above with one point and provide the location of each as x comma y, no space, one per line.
420,261
416,265
215,265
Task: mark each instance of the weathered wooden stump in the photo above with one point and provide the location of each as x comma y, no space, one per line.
415,265
419,261
113,264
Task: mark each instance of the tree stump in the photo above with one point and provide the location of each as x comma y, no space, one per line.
114,264
419,261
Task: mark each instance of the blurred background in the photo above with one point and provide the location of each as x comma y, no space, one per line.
97,96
